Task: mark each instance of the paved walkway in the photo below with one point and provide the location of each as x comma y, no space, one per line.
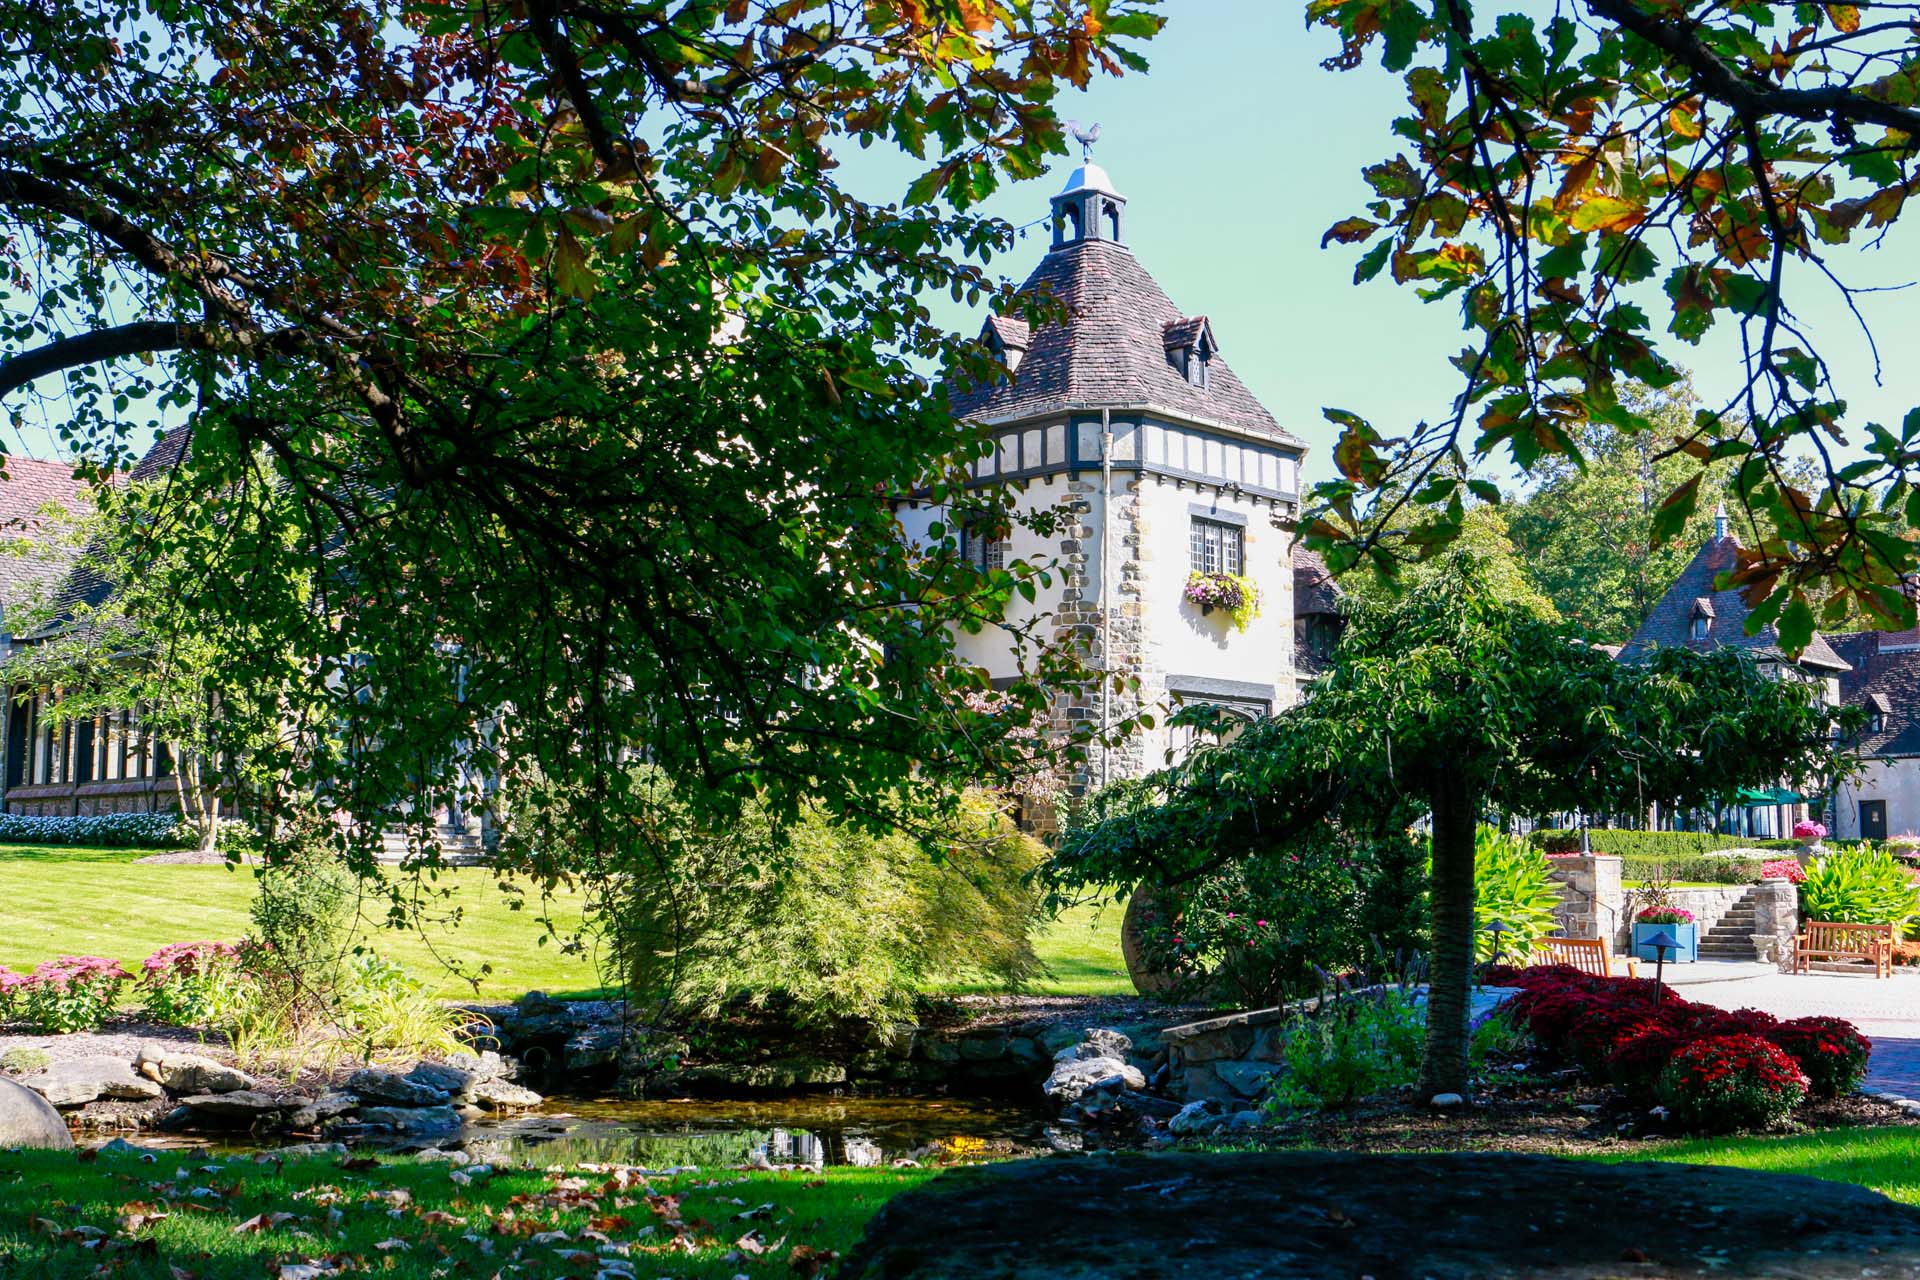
1887,1010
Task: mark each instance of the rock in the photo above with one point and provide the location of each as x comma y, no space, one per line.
243,1106
413,1122
1145,1104
486,1065
593,1047
1097,1043
321,1109
1248,1079
18,1062
1026,1050
118,1147
940,1048
1195,1118
1074,1078
374,1085
29,1120
983,1046
309,1150
444,1155
1446,1101
1244,1120
443,1076
504,1095
186,1073
1267,1215
82,1080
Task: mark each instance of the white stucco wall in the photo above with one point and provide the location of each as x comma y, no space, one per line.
1897,782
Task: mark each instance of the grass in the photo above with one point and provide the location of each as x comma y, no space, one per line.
1884,1160
80,901
62,1219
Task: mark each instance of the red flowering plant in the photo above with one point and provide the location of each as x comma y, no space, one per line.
1721,1083
1831,1053
1784,869
72,993
12,988
1664,914
182,983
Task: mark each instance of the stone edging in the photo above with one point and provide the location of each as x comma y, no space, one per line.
1908,1106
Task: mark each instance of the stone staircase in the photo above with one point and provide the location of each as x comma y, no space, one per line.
458,846
1731,937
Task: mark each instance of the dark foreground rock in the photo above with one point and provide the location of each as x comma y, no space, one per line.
29,1120
1308,1215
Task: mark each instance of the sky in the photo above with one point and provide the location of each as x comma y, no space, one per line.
1236,151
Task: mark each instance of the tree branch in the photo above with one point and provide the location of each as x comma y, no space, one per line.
90,348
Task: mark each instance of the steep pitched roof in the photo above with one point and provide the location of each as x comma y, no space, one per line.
1314,590
1885,678
1670,623
1111,350
84,584
30,563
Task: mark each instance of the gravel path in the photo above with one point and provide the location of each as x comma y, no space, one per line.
119,1038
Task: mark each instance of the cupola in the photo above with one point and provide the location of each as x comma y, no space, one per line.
1089,208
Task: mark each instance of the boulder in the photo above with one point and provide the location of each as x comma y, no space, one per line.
321,1109
29,1120
1322,1215
242,1106
1096,1043
390,1087
1074,1079
1248,1079
186,1073
504,1095
82,1080
444,1076
486,1065
597,1046
412,1122
1195,1118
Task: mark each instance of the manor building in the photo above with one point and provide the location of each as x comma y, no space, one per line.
1123,413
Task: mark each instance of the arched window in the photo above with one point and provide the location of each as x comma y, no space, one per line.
1701,625
1069,228
1112,214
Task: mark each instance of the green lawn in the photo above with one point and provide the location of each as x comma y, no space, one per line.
236,1220
78,901
1886,1160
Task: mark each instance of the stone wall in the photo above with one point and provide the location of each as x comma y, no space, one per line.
1593,904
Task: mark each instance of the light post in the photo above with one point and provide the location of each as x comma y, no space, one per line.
1499,929
1659,942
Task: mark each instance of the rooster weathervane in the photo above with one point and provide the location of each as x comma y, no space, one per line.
1086,137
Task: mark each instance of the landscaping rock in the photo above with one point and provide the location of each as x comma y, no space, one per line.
1194,1119
503,1095
1446,1101
321,1109
412,1122
243,1106
83,1080
1315,1215
375,1085
185,1073
18,1062
1074,1078
310,1150
445,1077
486,1065
1248,1079
29,1120
591,1048
1097,1043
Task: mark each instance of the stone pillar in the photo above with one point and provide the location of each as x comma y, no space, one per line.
1776,919
1592,904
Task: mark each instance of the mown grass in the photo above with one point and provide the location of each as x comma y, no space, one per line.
63,1219
59,900
1886,1160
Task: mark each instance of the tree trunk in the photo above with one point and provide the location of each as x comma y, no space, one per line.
1450,957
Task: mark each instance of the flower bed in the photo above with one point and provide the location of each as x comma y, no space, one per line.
1648,1043
1785,869
72,993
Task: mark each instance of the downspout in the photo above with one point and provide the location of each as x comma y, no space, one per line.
1106,591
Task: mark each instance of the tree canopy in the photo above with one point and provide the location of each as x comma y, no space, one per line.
543,348
1596,185
1467,705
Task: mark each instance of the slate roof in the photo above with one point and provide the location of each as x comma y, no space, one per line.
1886,677
1112,350
1010,332
30,488
84,585
1692,594
1314,590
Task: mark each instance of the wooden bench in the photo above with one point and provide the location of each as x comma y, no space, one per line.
1844,944
1588,955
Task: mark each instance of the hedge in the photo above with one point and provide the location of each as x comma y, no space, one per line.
1701,870
106,830
1668,845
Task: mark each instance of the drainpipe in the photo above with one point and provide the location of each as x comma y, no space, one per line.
1106,590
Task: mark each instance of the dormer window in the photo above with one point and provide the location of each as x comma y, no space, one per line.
1190,348
1007,338
1701,626
1876,713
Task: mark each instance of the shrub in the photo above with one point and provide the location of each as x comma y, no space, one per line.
188,984
12,989
1512,883
106,830
1830,1052
1866,885
1348,1048
1638,1062
72,993
1787,869
1665,846
1721,1083
303,910
825,921
1706,869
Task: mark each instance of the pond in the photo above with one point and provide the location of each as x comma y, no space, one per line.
810,1129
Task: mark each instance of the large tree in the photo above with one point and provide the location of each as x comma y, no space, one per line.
1592,185
544,341
1470,707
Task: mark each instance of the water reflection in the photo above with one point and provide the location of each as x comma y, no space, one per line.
808,1131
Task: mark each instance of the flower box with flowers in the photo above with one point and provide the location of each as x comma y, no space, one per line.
1239,597
1677,923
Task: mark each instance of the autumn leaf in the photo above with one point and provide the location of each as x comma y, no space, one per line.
1844,16
1607,213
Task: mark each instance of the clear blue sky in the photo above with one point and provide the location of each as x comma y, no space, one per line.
1236,151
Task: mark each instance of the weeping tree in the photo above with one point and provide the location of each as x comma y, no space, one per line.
1466,706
